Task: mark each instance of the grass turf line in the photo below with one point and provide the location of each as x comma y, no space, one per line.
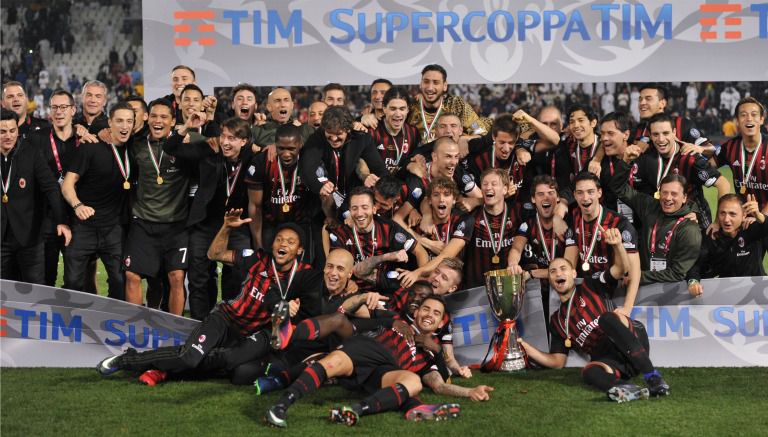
704,401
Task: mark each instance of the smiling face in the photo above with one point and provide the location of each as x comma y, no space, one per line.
121,125
443,280
9,133
432,87
494,189
749,119
416,297
288,150
337,271
449,126
672,197
361,209
161,121
15,99
337,137
613,140
94,99
445,158
377,95
280,105
442,201
140,115
545,198
316,111
394,114
286,247
383,204
650,103
664,138
561,276
191,102
230,144
581,126
730,216
244,104
62,116
504,144
179,79
334,98
429,316
551,117
588,197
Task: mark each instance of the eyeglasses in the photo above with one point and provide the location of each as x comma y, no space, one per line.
55,108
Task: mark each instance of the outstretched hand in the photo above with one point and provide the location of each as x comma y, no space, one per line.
232,218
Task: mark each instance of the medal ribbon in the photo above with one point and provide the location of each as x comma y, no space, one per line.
659,175
550,255
591,152
501,230
6,182
752,163
155,163
588,253
125,168
288,196
568,315
668,239
55,151
398,149
231,185
283,294
357,240
428,128
493,160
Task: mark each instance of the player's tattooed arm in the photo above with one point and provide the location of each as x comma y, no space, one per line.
366,269
434,381
218,249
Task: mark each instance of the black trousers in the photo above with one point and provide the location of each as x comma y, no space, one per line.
21,263
107,244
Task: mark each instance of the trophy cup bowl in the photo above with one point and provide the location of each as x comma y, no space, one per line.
506,294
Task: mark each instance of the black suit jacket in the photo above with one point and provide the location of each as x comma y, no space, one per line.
211,166
317,154
31,182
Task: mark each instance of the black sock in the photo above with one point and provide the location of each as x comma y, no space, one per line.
410,403
308,329
626,341
596,376
310,380
387,399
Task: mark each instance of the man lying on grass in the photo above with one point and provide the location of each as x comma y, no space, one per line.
617,346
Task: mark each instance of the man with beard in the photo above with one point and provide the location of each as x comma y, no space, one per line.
157,240
280,109
25,179
330,159
15,99
667,158
433,99
617,346
491,238
395,139
747,153
221,163
389,369
273,280
96,186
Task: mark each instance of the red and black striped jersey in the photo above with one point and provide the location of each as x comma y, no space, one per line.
479,253
729,153
386,236
481,161
417,186
590,301
459,225
402,196
412,358
395,151
602,255
252,308
534,252
579,156
263,175
685,128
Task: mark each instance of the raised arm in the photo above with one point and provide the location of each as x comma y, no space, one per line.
218,249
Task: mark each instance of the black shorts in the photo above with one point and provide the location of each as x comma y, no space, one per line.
153,248
607,352
371,361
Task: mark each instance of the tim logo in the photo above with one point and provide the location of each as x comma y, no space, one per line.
730,26
187,19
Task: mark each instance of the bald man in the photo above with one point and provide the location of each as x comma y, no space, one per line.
280,109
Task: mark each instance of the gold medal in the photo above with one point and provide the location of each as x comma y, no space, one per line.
585,266
126,185
743,189
495,259
568,342
657,195
286,207
5,198
159,180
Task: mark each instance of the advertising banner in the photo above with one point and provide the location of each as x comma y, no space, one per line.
313,42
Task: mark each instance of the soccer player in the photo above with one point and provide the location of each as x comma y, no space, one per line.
395,139
390,193
434,98
193,102
96,186
280,108
141,115
494,229
735,249
616,345
24,180
334,95
379,87
244,102
316,110
387,368
667,158
747,153
273,280
157,240
15,99
181,76
671,241
222,165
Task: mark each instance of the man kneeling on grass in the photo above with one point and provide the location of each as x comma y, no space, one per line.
617,346
386,367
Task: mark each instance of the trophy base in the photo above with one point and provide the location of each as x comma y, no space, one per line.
512,365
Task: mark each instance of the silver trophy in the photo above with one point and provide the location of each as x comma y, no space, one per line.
506,294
